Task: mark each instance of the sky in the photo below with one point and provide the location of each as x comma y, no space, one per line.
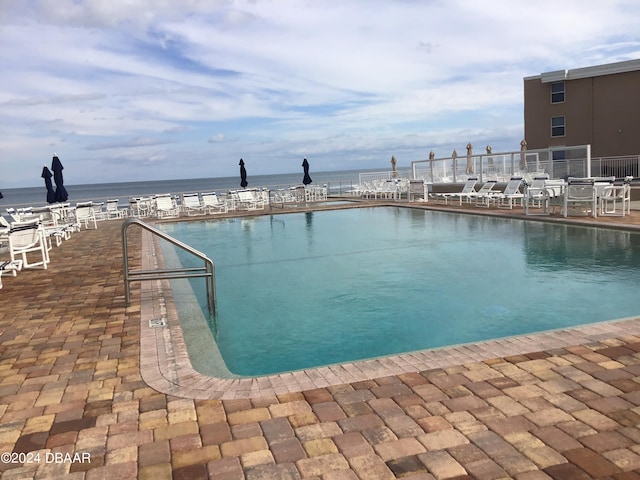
133,90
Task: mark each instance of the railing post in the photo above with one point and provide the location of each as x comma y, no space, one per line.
178,273
125,258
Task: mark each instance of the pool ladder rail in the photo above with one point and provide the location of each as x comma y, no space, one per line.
206,271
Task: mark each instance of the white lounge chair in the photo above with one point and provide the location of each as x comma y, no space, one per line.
166,207
387,189
358,191
468,189
191,204
27,237
4,225
375,189
12,266
249,200
213,204
511,194
481,197
141,207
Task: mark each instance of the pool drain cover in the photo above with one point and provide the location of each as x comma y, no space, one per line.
157,323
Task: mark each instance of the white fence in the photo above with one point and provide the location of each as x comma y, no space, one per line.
618,167
385,175
558,162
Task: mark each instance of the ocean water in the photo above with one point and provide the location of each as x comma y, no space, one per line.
337,181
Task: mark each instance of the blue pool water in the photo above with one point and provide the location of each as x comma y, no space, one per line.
308,289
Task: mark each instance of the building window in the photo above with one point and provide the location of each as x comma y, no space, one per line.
557,92
557,126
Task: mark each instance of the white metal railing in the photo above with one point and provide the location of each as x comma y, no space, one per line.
206,271
558,162
619,167
369,177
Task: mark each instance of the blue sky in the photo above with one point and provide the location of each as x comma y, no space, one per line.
157,89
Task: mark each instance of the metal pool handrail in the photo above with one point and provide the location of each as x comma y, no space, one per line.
206,271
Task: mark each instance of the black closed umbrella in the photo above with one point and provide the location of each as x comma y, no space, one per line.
243,175
61,192
305,166
51,194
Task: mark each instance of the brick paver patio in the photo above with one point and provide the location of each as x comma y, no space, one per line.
74,405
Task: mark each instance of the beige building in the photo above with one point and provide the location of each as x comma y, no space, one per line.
597,105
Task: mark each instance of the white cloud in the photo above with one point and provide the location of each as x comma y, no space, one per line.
127,83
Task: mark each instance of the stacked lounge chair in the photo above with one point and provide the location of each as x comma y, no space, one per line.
468,189
483,196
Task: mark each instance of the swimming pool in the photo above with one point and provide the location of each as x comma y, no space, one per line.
308,289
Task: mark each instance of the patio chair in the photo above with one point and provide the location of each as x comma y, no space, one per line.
359,190
615,200
63,219
113,209
141,207
387,189
12,266
166,207
468,189
511,194
315,193
134,207
392,188
85,214
27,238
54,228
580,196
282,196
212,204
249,200
482,196
191,204
418,188
540,194
98,213
533,191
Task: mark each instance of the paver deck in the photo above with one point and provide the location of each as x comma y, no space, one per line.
86,393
